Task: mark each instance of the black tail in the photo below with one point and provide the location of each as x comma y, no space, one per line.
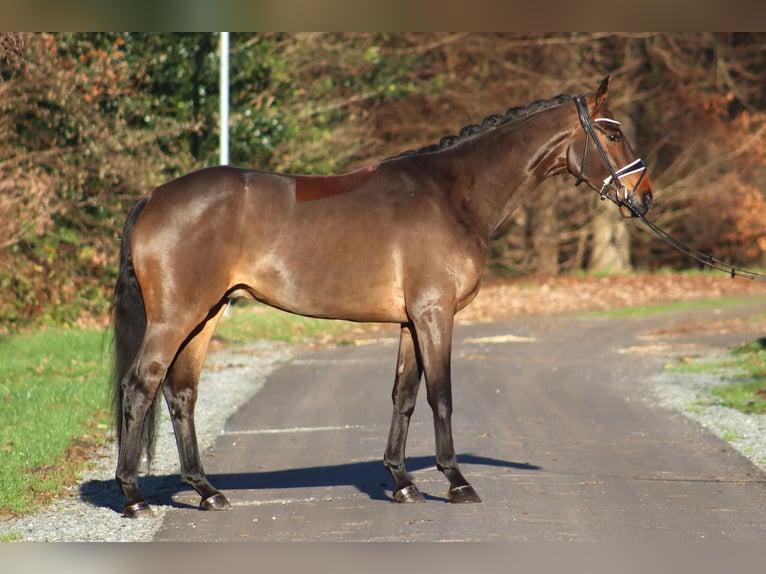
129,323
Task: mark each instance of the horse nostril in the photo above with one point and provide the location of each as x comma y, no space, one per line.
646,198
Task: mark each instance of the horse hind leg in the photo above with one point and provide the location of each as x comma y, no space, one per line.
180,390
138,396
138,391
406,384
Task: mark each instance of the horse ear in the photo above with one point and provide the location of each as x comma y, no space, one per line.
601,93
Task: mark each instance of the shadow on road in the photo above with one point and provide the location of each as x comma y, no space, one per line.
369,477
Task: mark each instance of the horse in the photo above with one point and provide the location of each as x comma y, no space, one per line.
402,241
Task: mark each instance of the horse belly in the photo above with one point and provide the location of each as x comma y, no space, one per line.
347,285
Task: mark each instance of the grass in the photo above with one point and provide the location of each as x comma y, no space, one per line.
54,410
748,393
675,306
55,399
247,321
745,365
11,537
700,367
744,397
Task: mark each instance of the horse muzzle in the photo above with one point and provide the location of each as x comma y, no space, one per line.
635,204
630,189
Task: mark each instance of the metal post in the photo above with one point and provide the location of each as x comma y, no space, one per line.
224,92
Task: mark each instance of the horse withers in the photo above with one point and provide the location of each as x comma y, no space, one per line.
402,241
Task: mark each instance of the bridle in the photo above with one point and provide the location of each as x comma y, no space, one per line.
621,194
623,197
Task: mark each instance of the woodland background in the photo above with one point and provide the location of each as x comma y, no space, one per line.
91,121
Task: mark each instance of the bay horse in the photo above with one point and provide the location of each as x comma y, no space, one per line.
402,241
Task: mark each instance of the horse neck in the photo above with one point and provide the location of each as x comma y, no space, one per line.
494,171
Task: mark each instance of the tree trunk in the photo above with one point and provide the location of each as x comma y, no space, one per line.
610,249
543,229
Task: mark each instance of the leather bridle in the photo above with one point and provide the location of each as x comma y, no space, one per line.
621,194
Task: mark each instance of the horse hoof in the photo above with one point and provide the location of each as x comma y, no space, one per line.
462,494
215,502
408,493
137,510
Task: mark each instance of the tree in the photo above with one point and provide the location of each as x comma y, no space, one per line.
68,165
11,47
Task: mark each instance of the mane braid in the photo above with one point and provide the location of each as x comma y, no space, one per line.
489,123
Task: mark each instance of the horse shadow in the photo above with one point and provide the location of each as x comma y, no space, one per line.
368,477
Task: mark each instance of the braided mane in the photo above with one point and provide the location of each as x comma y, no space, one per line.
489,123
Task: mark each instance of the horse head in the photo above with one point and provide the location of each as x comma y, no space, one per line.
601,156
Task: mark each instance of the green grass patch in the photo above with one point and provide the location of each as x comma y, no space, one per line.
54,410
729,435
11,537
699,367
641,310
749,398
745,365
748,393
753,350
247,322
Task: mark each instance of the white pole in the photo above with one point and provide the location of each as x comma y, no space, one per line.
224,112
224,90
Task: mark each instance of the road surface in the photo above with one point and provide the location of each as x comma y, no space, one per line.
556,426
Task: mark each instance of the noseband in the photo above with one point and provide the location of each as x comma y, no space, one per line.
621,194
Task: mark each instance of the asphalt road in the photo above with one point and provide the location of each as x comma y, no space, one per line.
556,426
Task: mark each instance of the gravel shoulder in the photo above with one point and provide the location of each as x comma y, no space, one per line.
90,512
689,394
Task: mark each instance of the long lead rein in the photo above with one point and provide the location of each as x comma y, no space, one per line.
704,258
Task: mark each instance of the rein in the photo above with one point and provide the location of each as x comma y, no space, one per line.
704,258
627,199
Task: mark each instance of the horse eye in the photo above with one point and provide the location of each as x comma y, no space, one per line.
614,138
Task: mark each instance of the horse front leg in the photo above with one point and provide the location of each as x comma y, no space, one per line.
434,335
408,373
